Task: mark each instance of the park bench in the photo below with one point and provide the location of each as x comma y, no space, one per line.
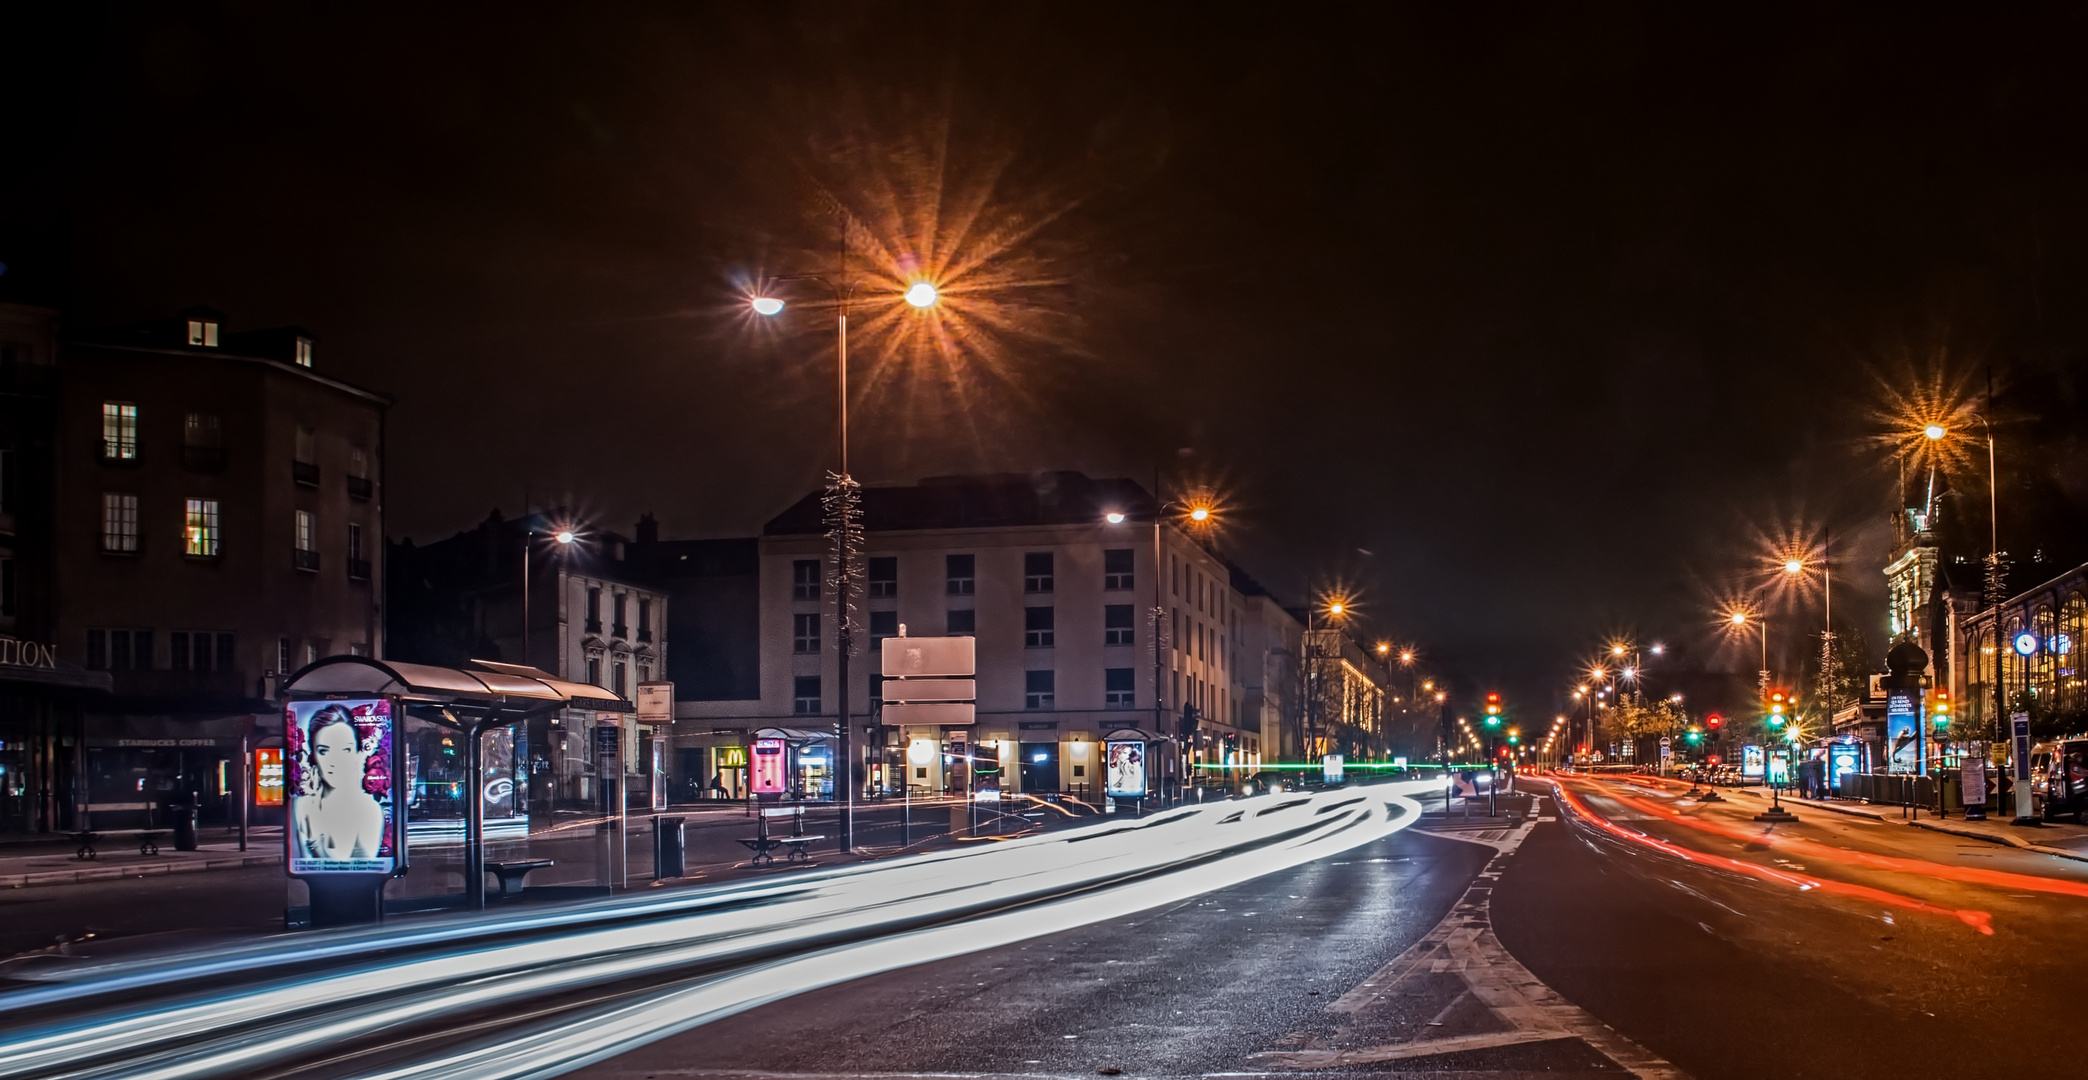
511,875
764,845
148,842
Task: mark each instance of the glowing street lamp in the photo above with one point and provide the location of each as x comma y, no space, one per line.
1200,513
922,295
1934,432
766,305
1114,517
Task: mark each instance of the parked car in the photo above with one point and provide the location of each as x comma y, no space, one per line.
2066,782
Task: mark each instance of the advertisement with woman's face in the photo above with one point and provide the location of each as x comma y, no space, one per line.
340,787
1126,777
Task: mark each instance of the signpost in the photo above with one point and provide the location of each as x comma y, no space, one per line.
608,748
2019,732
930,683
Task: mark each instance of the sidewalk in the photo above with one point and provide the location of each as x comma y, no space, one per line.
2059,841
53,863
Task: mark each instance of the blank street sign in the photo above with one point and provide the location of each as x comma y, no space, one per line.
913,690
930,715
912,657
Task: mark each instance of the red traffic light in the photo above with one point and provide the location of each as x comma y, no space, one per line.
1712,721
1493,699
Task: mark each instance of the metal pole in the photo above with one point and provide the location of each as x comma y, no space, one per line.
246,787
528,534
843,639
474,820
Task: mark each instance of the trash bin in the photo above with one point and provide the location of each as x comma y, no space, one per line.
185,823
669,860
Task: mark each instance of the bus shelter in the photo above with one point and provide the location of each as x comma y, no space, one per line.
347,768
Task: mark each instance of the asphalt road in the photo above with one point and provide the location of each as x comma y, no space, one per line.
1590,953
1623,929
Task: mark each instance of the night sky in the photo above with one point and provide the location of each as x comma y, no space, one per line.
1530,323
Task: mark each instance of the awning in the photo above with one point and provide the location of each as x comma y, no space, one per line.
484,685
793,734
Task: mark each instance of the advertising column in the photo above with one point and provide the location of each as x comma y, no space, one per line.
346,830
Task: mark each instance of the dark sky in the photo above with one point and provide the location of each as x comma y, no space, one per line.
1555,311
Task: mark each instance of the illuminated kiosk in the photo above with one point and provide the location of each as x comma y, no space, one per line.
345,763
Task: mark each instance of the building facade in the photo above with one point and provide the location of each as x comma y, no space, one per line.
216,522
592,615
1084,626
2026,655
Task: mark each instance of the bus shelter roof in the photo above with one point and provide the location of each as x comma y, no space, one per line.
483,686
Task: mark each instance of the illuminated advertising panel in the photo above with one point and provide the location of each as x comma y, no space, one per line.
1751,762
1843,759
1902,735
1331,768
1125,772
343,816
268,776
771,767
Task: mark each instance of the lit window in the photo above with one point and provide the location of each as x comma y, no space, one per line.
201,528
119,522
305,527
119,431
203,332
304,352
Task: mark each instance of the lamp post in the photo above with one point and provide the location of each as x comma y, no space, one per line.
1199,513
564,536
844,530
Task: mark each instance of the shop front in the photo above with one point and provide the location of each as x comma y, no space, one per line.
42,711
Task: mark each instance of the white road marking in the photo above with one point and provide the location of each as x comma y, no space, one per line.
1464,943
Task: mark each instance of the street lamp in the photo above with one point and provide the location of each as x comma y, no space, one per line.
564,536
843,512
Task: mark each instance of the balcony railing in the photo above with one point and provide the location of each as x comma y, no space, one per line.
305,560
645,633
203,458
358,569
594,626
358,487
305,472
619,630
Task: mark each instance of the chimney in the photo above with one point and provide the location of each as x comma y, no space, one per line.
648,530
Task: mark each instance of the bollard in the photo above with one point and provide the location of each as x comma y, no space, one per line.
670,856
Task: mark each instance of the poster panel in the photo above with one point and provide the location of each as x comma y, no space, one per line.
771,767
268,776
1125,773
1331,768
1751,762
1902,737
1843,759
343,814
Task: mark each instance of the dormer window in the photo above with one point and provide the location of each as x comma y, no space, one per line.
304,352
203,332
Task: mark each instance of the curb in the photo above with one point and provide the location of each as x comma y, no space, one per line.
137,870
1832,808
2002,839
